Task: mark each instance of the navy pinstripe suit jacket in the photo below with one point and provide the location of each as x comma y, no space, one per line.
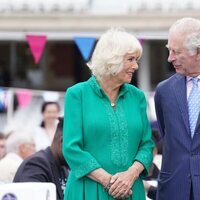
181,153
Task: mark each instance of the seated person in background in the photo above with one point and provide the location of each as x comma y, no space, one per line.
2,145
46,165
43,134
150,181
19,146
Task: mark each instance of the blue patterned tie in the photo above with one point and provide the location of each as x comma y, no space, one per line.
194,105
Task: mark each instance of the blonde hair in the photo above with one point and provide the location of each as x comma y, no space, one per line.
108,54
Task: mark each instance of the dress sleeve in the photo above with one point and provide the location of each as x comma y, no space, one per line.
145,150
81,162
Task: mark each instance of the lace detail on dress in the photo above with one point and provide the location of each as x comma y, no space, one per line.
123,133
118,128
87,167
118,134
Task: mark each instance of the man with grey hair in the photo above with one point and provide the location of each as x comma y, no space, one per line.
177,102
19,145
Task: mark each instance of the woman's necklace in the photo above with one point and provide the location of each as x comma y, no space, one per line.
112,104
111,93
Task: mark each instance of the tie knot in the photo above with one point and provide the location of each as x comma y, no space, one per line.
195,80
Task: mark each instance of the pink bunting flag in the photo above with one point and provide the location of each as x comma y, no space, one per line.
36,44
141,41
24,97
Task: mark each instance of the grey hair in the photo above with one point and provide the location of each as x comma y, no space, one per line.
108,54
190,28
17,138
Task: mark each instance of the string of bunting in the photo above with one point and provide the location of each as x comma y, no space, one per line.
85,45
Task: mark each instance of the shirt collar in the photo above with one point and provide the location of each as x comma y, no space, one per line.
189,78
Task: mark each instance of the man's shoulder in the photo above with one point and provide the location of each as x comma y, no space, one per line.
167,82
13,158
40,157
35,168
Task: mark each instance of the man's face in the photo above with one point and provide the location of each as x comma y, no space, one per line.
2,148
26,149
183,62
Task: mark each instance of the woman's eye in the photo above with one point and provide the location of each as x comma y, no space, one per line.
133,59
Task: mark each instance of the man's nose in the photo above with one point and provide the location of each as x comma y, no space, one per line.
171,57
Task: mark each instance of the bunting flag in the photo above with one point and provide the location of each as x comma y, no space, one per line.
141,41
24,97
2,100
85,45
36,44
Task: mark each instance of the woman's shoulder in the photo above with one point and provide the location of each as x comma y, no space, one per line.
134,90
77,87
38,130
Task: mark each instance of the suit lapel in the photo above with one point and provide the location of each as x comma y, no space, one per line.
198,122
179,88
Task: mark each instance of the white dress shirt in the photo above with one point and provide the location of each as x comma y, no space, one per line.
189,84
8,167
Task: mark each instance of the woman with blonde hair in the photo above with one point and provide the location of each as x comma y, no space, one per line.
106,136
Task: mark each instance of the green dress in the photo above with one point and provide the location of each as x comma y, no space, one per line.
96,135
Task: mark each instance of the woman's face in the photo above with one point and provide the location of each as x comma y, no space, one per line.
51,113
130,65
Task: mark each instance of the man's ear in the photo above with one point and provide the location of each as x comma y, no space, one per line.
198,50
21,150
